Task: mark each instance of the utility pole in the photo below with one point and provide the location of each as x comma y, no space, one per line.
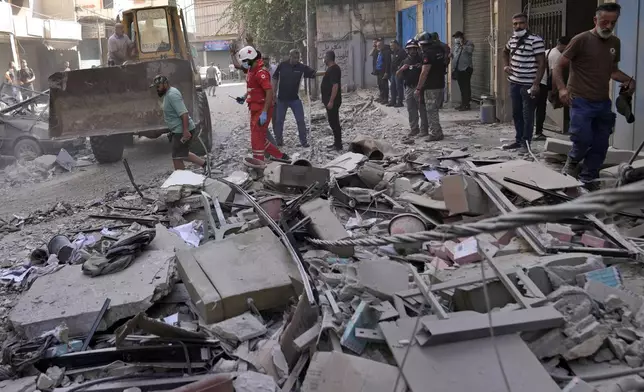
99,35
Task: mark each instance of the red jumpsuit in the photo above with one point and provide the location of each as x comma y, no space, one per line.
258,81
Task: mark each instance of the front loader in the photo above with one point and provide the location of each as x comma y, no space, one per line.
111,104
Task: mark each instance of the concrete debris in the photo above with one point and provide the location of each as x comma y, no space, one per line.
238,329
227,292
254,382
617,346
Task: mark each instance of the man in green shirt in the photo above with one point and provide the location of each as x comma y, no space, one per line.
179,123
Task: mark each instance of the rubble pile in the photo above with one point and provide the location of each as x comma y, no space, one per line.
219,283
42,168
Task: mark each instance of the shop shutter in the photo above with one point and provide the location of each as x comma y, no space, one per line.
477,29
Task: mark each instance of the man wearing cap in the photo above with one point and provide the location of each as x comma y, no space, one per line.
462,68
179,123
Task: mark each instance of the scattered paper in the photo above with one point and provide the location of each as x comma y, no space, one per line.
188,233
432,175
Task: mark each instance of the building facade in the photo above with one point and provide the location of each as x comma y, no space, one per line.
213,32
44,32
348,29
487,23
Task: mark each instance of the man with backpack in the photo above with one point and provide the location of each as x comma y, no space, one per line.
546,89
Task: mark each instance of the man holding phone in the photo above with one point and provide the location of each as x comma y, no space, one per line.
179,123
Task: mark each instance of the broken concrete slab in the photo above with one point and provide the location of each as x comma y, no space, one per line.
463,195
45,162
296,176
166,240
218,190
221,275
585,348
617,346
565,265
345,163
69,295
441,366
25,384
601,293
423,201
613,156
335,372
254,382
477,325
184,178
326,226
238,329
382,278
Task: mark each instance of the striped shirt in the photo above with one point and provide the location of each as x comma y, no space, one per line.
523,59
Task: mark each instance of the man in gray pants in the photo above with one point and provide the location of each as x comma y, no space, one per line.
432,82
410,73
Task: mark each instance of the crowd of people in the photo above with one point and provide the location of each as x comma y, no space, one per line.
576,74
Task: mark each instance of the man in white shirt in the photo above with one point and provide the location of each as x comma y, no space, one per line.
525,64
552,56
118,46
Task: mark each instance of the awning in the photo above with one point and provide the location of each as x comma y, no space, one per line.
60,44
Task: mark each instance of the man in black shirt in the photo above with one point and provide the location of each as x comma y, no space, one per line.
432,82
409,73
286,85
332,97
397,90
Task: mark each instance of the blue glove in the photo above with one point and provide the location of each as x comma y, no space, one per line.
263,118
240,100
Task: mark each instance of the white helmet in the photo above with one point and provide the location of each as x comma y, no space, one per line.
247,53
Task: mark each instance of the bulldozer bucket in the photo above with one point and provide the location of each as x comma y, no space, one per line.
114,100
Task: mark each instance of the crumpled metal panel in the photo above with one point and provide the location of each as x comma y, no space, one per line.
114,100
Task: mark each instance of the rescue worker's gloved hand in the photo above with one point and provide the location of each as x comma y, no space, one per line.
263,118
240,100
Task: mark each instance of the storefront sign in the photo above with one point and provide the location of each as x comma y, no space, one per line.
6,23
35,27
90,4
63,29
215,46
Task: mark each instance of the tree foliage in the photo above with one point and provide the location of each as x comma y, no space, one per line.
273,26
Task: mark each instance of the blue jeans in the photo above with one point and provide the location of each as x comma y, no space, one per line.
523,107
591,124
280,114
396,89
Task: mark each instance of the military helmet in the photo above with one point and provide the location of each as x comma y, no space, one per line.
424,38
412,43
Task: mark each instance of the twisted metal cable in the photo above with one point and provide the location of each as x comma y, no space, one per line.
603,201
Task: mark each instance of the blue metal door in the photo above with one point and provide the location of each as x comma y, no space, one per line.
434,18
630,30
406,24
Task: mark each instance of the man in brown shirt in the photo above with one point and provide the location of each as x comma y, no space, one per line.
592,57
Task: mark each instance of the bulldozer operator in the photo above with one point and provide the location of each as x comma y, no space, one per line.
119,46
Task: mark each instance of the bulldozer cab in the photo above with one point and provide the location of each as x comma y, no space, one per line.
157,32
111,101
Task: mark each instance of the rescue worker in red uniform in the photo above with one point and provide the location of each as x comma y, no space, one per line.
259,97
